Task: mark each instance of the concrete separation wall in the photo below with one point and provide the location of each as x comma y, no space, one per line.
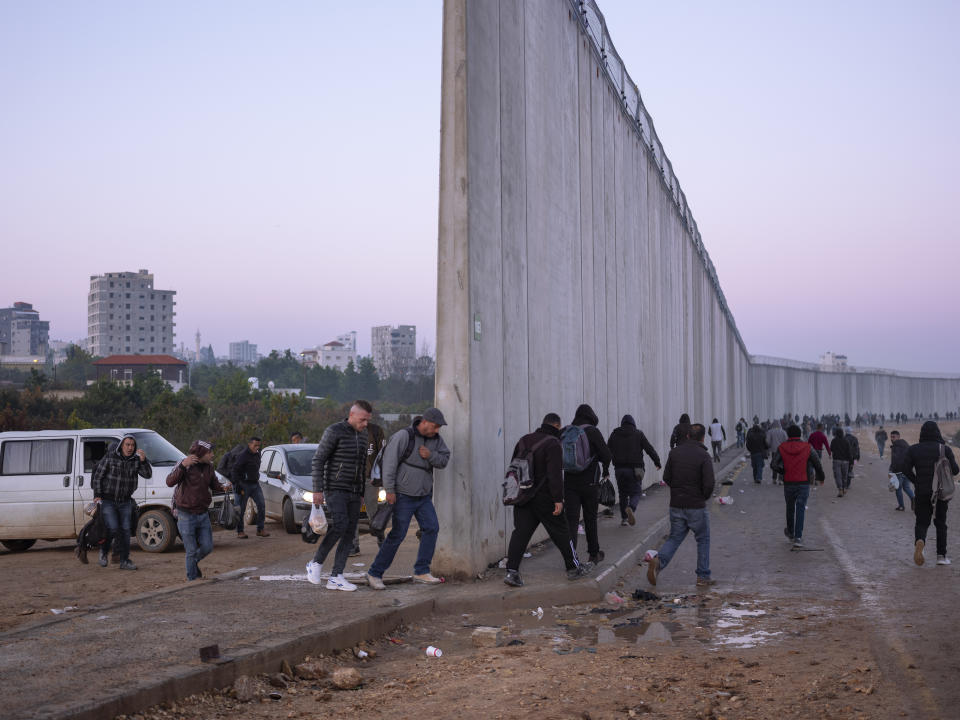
571,269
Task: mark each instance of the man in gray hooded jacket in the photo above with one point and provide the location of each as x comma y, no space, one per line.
409,460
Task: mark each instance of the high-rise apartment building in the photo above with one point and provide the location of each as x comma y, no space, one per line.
126,315
243,353
22,332
394,349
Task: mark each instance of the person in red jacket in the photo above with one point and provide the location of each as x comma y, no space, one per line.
797,462
819,440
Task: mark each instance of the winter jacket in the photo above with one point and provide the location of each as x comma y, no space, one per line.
627,445
195,485
547,460
341,459
756,442
412,476
675,438
717,432
376,440
689,473
898,454
775,436
598,448
246,468
920,459
854,446
880,436
840,449
798,462
115,476
819,441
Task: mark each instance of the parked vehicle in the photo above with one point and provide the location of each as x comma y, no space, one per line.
45,483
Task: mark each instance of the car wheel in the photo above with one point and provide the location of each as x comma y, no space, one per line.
18,545
156,531
289,524
250,513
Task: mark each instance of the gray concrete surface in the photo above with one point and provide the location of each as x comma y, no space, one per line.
571,269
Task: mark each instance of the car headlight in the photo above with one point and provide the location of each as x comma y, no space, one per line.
382,495
307,496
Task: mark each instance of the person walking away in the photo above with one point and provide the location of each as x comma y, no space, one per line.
718,435
757,446
581,489
682,424
689,474
840,452
854,452
114,481
245,475
627,445
409,460
819,441
741,432
919,466
195,481
798,464
775,435
898,451
338,471
881,437
375,441
546,506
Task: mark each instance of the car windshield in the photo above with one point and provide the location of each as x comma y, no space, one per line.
300,461
158,451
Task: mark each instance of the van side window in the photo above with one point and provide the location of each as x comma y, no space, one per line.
37,457
93,451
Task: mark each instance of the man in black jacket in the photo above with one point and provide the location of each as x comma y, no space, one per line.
339,472
546,506
580,489
627,445
245,475
757,447
898,453
919,465
689,473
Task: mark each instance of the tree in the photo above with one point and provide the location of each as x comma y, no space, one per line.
76,369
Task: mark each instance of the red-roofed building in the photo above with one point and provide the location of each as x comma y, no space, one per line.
124,368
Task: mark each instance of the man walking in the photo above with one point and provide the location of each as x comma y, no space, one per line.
840,451
627,445
757,447
195,480
854,452
718,434
775,435
546,506
881,437
898,454
338,471
113,483
409,460
919,465
818,440
796,462
245,474
581,487
689,474
741,432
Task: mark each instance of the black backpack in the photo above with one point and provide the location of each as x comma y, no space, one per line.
228,460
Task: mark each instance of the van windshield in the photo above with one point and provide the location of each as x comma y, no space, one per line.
158,451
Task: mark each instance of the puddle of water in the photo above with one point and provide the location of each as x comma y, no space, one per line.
748,640
737,612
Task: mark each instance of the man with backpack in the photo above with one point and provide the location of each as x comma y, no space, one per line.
627,445
411,456
245,475
931,466
375,443
757,447
854,445
798,464
544,461
584,451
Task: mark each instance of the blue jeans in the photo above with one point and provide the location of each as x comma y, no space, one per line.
796,495
197,536
406,508
682,521
741,436
904,487
116,516
250,492
343,512
756,459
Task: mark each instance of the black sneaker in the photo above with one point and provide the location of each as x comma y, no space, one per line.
598,558
104,560
127,565
582,570
355,551
513,578
786,532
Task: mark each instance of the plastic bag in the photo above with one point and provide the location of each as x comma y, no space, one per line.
894,482
318,520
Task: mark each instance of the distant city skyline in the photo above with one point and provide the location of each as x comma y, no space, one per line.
277,165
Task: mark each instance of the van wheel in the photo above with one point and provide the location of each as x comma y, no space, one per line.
18,545
156,531
289,524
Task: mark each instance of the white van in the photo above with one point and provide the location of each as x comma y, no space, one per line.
45,484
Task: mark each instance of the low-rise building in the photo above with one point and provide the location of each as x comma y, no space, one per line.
124,368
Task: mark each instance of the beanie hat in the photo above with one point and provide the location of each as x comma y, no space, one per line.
200,448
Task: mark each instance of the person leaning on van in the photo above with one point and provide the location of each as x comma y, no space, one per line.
114,482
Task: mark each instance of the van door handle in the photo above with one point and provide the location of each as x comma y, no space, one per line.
66,482
80,481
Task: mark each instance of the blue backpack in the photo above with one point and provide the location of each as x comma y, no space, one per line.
576,448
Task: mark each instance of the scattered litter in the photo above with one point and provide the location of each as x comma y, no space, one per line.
61,611
526,555
538,613
677,601
362,654
502,564
275,578
395,641
276,696
643,494
103,617
434,651
650,555
724,500
613,598
640,594
741,491
516,641
359,564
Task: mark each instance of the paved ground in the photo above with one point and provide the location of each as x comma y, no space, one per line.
853,596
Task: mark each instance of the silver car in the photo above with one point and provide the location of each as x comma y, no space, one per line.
286,483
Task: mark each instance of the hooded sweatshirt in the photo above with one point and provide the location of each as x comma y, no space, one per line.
586,417
920,459
627,445
115,476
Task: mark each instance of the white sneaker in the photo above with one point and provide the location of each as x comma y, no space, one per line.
943,560
375,583
426,579
314,569
338,582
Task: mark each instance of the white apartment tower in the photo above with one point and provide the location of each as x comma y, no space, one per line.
126,315
394,349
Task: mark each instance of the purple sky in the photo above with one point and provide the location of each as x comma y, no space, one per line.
277,164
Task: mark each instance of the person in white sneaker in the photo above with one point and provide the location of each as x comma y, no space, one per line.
919,466
411,456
